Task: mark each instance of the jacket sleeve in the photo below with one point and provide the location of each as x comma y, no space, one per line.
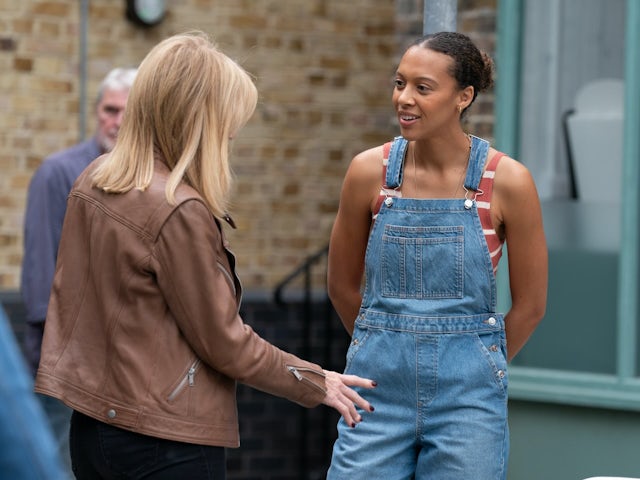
194,275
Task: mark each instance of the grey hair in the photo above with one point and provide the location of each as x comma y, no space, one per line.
117,79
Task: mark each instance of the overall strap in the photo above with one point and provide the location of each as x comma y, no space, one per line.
477,158
394,166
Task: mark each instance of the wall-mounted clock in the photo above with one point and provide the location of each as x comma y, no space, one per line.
146,12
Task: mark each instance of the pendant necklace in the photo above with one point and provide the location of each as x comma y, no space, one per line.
468,202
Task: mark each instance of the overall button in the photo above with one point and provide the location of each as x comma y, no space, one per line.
491,321
493,348
111,413
501,373
388,201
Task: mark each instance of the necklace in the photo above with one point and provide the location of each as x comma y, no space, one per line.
415,170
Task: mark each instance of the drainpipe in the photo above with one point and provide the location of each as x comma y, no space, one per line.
439,16
82,67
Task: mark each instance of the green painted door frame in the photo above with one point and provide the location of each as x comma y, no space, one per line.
628,295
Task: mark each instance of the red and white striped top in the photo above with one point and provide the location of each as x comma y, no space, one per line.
483,203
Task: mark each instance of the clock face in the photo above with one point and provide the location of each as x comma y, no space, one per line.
146,12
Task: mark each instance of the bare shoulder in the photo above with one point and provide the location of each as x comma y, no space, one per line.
364,174
367,163
362,182
515,197
512,177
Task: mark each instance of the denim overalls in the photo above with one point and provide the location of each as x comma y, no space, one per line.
428,333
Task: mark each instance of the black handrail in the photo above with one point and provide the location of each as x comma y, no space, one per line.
573,182
305,270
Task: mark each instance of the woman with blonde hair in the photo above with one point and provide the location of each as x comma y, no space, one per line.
143,338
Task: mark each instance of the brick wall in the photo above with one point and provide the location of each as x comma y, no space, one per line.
323,68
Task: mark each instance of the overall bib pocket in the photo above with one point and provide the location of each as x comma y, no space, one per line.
422,262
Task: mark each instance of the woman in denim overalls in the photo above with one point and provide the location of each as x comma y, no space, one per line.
426,327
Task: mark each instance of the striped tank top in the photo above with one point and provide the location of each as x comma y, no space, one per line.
483,203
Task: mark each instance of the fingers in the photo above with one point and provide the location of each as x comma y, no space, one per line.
344,399
357,400
355,381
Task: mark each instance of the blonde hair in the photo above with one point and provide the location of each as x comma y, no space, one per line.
188,99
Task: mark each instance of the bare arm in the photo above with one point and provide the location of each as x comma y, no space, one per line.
521,218
350,234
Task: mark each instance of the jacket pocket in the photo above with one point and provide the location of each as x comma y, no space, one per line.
188,380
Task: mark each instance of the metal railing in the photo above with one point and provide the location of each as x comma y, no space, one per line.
316,306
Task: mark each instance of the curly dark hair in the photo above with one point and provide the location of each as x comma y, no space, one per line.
470,65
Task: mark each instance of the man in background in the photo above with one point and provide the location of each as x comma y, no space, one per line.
46,206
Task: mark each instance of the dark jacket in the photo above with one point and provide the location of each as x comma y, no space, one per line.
143,330
46,205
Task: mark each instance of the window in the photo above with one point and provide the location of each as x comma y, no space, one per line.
555,57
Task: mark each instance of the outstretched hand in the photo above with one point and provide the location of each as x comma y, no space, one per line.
343,398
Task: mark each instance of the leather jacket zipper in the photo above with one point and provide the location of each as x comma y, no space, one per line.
188,380
295,371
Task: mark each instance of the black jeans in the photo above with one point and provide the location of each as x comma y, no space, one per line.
102,451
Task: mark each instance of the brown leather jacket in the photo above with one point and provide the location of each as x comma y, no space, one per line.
143,330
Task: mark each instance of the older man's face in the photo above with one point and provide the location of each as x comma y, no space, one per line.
109,112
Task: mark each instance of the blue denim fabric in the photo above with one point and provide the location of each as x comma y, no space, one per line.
428,333
103,451
27,447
